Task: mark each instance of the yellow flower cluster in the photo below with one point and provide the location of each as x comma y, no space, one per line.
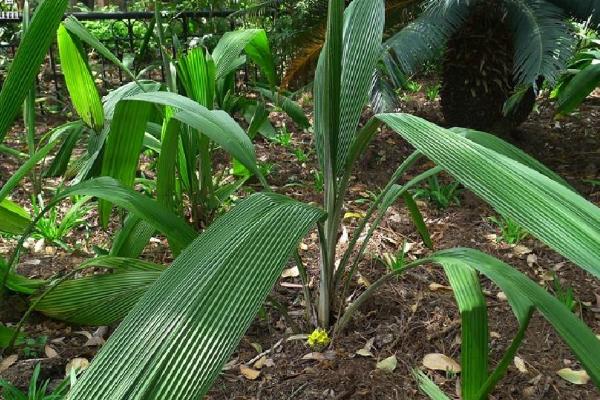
319,337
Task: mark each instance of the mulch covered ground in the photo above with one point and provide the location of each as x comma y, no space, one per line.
409,318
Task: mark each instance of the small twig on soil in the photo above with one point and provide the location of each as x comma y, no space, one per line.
264,353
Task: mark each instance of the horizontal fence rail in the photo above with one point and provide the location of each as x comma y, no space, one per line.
16,17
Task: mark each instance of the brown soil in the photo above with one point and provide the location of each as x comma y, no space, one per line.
407,318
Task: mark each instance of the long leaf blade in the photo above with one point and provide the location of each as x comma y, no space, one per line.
123,146
163,220
78,77
550,211
26,63
580,338
187,324
100,299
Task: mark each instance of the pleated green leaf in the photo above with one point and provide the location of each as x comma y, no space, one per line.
344,78
197,72
215,124
100,299
326,88
473,318
26,63
176,229
579,88
13,218
518,287
363,30
133,237
256,45
129,89
290,107
60,164
123,146
550,211
498,145
6,335
166,177
259,51
77,29
78,77
175,341
19,283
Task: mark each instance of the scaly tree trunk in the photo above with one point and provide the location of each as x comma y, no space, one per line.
478,74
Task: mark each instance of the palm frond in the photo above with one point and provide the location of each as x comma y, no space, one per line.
581,9
542,38
424,38
309,40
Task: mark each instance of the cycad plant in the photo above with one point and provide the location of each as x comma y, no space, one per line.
492,51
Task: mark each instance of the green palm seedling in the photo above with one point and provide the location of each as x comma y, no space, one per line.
493,51
199,308
177,337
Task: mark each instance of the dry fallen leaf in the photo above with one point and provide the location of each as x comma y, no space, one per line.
577,377
291,273
521,250
363,281
249,373
79,364
440,362
434,287
388,364
366,351
328,355
7,362
50,352
492,237
502,296
269,363
532,259
39,246
87,334
260,362
520,364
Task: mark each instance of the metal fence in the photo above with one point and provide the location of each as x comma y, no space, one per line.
129,36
